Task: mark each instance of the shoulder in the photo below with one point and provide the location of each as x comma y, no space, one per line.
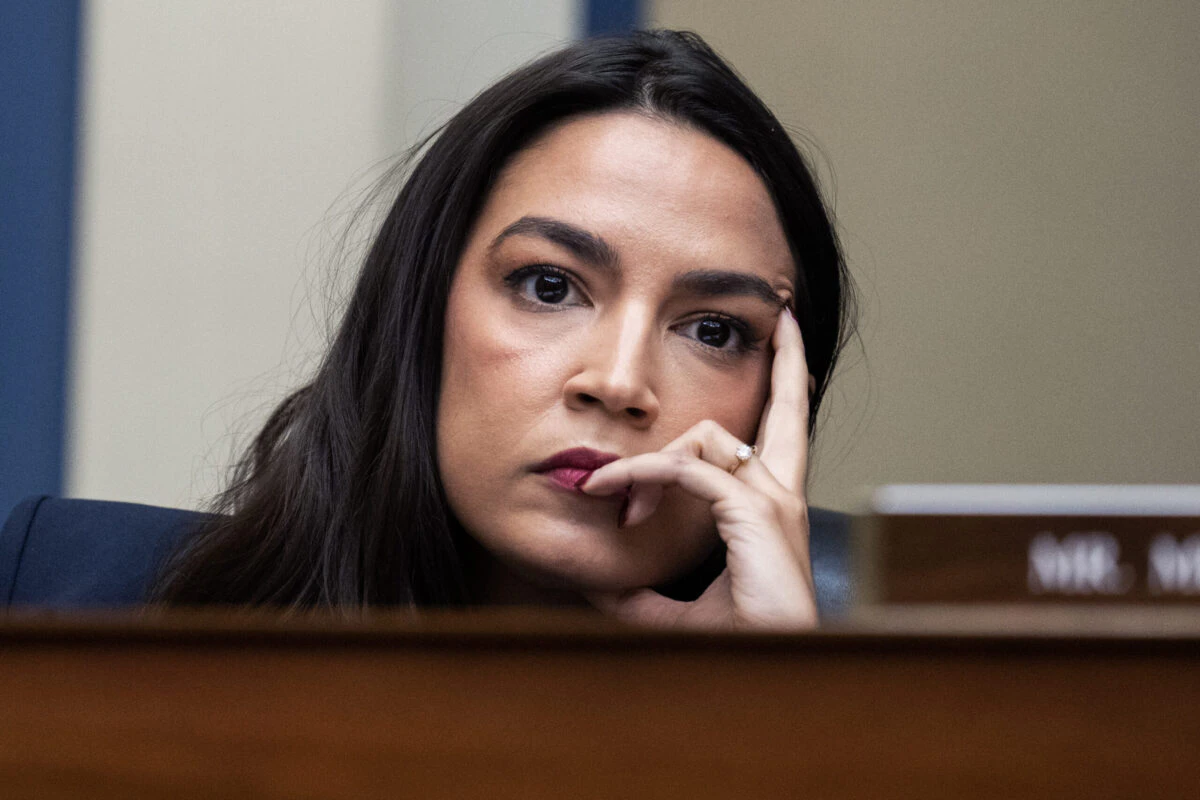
58,552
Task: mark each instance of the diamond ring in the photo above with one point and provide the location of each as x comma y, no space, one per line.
742,454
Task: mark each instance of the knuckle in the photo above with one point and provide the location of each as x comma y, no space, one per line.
719,438
706,429
679,459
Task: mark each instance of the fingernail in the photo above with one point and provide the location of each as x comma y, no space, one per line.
623,514
579,483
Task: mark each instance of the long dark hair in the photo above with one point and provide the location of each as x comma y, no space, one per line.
338,502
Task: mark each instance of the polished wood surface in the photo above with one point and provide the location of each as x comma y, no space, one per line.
533,704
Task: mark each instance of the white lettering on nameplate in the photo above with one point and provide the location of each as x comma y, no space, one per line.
1080,563
1174,565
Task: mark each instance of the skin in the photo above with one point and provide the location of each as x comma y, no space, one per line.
618,363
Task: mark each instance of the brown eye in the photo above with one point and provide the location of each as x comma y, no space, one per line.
550,288
544,285
713,332
727,336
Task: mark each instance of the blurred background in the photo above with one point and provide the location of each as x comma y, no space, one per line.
1016,186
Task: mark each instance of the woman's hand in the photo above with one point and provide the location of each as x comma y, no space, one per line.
760,510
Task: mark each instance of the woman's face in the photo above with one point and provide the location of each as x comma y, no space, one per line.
620,285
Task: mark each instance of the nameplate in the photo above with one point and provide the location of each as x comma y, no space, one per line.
1030,544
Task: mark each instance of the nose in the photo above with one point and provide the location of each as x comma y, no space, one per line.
615,369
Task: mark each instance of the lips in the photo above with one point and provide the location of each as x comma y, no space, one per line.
569,467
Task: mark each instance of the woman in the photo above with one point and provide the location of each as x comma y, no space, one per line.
605,278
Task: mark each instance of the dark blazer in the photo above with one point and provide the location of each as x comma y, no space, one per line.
80,553
60,553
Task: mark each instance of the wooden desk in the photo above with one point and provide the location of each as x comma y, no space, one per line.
512,705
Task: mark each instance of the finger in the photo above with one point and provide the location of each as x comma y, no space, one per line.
693,475
643,501
711,442
708,441
783,433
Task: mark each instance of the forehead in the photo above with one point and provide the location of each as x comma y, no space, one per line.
659,192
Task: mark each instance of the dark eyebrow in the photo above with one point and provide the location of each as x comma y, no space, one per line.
593,249
714,283
581,243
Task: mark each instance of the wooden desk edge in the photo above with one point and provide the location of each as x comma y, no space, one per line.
913,628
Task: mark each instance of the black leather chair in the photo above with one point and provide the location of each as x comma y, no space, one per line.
57,553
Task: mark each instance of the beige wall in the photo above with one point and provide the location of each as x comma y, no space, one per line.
217,138
1018,187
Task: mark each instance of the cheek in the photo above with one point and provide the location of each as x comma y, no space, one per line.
734,399
492,370
497,381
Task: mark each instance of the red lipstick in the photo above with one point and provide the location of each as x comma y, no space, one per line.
570,468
